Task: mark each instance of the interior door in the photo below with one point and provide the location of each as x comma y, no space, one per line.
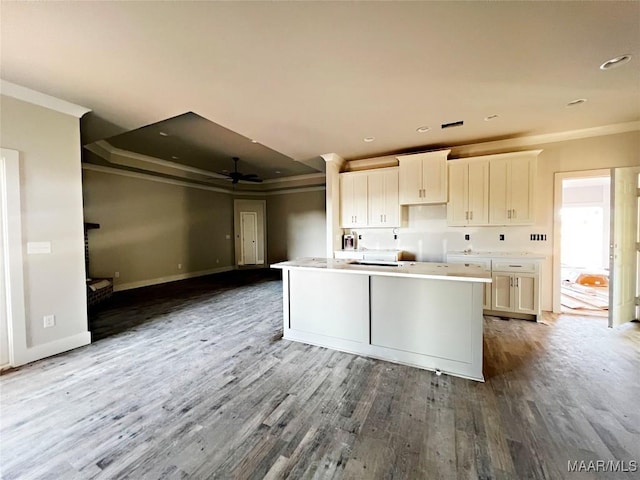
248,237
4,319
623,255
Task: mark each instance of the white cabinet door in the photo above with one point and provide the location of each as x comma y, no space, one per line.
353,200
423,178
410,179
391,198
457,211
521,185
512,180
478,193
382,197
526,293
434,179
468,193
498,196
502,295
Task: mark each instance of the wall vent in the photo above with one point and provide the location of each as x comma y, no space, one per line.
459,123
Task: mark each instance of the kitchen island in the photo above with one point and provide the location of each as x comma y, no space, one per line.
427,315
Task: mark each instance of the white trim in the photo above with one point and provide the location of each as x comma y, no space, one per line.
102,146
57,346
184,183
292,190
149,177
17,319
519,142
169,278
557,226
47,101
308,176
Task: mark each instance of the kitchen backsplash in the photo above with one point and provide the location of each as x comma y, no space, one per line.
427,237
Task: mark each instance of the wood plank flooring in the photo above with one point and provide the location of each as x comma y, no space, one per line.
192,380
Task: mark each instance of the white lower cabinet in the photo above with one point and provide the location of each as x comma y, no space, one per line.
515,292
515,284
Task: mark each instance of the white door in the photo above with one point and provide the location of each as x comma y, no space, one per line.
248,237
623,255
4,327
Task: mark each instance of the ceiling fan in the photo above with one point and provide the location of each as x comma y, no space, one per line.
236,176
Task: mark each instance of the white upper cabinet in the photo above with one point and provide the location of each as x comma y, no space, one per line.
369,198
423,178
353,200
468,192
382,186
512,179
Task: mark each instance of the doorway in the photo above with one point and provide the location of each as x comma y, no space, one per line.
250,232
584,245
13,340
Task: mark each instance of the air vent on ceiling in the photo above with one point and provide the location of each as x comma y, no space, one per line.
452,124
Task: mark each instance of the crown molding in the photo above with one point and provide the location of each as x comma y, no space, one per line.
41,99
170,181
102,148
333,158
521,142
105,150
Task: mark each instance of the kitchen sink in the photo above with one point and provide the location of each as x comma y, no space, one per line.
375,263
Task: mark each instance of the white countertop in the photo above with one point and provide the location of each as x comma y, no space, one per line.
426,270
482,254
370,250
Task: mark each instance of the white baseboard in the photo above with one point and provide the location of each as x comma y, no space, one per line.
58,346
170,278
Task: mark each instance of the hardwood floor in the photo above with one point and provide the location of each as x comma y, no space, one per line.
192,380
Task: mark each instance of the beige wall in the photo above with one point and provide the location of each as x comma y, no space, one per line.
148,227
51,211
296,225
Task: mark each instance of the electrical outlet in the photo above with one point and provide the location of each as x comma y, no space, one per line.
502,236
228,237
116,275
467,237
217,260
179,266
49,321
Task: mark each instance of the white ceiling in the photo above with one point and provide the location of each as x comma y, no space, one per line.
308,78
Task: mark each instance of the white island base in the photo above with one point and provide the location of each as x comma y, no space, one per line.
401,315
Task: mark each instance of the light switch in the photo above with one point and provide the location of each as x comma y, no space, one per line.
36,248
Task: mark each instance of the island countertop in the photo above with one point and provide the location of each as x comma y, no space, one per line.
410,269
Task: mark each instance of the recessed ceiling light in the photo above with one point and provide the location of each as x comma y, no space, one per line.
423,129
254,141
491,117
225,171
615,62
164,134
277,171
369,139
175,157
578,101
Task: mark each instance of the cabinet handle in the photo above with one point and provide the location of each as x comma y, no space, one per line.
508,213
471,215
511,281
381,218
517,282
385,218
466,215
514,213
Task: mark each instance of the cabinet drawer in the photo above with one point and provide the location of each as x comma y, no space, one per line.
514,266
382,256
484,264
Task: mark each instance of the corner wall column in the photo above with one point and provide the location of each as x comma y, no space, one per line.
334,163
